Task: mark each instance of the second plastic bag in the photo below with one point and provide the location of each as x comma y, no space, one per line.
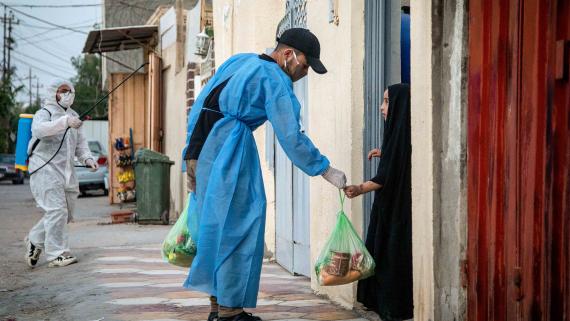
179,246
344,259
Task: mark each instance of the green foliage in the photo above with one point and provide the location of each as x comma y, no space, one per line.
87,84
210,31
31,109
9,113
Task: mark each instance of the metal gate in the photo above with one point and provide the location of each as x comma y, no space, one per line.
518,159
292,222
373,84
382,62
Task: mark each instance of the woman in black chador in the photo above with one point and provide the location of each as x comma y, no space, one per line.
389,238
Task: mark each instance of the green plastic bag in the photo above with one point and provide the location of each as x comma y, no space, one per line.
179,248
344,259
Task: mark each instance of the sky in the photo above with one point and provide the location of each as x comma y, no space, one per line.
46,49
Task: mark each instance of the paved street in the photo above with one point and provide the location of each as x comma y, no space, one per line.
121,275
142,287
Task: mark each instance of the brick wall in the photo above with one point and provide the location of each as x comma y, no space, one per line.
191,72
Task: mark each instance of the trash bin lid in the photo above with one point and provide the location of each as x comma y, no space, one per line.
144,155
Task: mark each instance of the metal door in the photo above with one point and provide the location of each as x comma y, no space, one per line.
374,48
301,210
382,67
292,222
518,158
292,230
283,209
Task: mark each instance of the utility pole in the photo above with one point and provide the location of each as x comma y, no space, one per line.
11,20
4,51
30,87
37,92
7,41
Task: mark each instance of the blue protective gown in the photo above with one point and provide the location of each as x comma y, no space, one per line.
230,195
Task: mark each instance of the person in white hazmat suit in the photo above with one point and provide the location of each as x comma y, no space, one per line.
54,186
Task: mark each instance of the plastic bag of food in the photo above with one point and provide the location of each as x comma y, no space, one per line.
344,259
179,247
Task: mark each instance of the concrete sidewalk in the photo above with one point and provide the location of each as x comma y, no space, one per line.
143,287
121,275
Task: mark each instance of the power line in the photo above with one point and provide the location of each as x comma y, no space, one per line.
37,68
54,48
42,20
55,5
83,32
35,59
78,24
29,89
39,27
52,67
43,49
55,28
48,30
36,35
60,67
57,49
40,33
51,38
22,82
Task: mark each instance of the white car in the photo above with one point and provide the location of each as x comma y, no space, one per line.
97,180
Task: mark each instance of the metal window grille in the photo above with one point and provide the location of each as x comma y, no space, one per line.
295,16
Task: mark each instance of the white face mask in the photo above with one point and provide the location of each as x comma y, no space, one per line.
66,99
295,56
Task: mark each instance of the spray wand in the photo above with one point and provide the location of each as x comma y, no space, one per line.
82,116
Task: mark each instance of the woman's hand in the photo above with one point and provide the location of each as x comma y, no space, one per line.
374,153
352,191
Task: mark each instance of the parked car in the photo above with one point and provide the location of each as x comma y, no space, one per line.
8,170
89,180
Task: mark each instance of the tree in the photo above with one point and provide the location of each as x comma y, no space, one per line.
87,84
8,113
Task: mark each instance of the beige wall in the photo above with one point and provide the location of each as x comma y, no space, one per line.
439,158
239,28
174,126
422,160
336,110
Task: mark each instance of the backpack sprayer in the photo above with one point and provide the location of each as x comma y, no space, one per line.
25,131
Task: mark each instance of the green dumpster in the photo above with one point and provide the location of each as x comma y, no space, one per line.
152,176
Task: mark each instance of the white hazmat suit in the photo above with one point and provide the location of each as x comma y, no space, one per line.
55,187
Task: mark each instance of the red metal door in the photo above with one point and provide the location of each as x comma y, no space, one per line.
518,159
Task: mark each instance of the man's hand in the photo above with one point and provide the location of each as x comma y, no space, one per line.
335,177
92,164
74,122
353,191
374,153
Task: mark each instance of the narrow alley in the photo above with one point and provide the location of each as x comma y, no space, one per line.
121,275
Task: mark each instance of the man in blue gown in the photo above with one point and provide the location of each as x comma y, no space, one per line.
224,168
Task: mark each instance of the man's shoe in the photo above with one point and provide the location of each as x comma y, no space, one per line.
32,253
244,316
213,316
63,260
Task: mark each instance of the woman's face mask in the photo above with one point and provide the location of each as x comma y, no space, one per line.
66,99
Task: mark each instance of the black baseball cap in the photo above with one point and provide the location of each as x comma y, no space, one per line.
307,43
